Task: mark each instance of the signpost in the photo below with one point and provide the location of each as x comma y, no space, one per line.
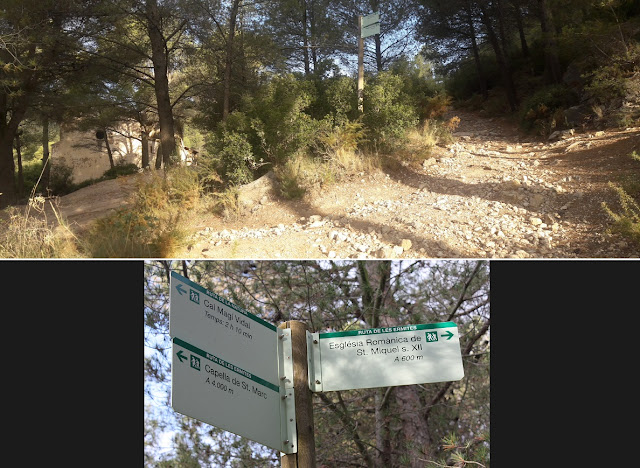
383,357
230,368
233,370
367,26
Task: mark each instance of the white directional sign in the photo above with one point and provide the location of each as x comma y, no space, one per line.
383,357
370,25
218,392
226,365
370,19
211,322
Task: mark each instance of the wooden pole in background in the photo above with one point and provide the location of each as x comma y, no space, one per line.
306,455
360,67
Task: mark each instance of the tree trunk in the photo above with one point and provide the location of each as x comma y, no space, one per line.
159,56
144,137
505,71
46,161
378,52
159,157
482,80
383,438
552,62
373,300
375,7
305,39
8,192
502,30
228,61
108,146
523,40
312,36
8,130
20,175
417,445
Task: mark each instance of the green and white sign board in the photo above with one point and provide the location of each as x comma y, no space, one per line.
370,25
384,357
201,317
226,364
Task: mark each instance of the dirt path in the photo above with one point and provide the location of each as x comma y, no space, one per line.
493,193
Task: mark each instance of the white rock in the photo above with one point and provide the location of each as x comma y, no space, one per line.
405,244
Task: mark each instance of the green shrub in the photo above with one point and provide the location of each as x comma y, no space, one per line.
120,170
31,171
539,111
61,179
344,137
280,127
342,99
388,111
627,222
612,80
230,155
289,179
463,82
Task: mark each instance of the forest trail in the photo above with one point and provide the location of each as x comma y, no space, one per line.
493,193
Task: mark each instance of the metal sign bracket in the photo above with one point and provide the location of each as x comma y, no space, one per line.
288,433
313,362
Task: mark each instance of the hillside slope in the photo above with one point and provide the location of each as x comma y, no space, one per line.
492,193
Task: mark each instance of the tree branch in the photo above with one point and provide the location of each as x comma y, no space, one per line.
454,308
444,389
348,424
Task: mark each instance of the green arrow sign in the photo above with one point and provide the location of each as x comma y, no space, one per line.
180,289
181,356
448,334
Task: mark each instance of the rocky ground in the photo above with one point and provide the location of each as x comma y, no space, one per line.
492,193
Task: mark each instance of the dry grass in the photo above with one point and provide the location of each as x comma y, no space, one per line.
303,174
156,223
299,174
436,106
226,203
26,232
421,141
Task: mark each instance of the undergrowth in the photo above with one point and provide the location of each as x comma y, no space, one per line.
627,220
154,224
27,232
